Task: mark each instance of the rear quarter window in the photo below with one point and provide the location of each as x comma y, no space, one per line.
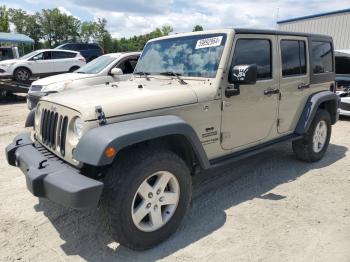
322,57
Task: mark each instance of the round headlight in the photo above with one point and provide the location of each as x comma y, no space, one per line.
78,127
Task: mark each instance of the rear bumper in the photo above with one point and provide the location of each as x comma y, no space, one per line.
49,177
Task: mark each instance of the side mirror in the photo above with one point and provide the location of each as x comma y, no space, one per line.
116,71
243,74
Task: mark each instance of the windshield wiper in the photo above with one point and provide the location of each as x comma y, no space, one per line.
177,75
143,74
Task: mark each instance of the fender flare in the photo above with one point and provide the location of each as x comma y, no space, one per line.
30,119
91,147
311,106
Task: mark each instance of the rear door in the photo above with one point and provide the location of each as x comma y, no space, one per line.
63,61
294,80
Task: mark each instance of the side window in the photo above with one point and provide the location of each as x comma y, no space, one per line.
322,57
342,65
293,57
128,65
38,57
62,55
254,51
46,55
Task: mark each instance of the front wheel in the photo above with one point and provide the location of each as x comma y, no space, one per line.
146,196
314,143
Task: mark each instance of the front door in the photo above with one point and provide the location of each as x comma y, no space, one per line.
41,63
294,82
251,115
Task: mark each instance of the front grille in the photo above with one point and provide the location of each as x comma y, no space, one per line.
53,130
344,106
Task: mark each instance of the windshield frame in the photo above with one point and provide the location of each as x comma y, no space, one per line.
113,59
197,37
30,55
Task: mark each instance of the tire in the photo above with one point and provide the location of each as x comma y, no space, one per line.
73,68
120,199
310,148
22,74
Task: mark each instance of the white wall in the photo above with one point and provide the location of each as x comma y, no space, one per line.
336,25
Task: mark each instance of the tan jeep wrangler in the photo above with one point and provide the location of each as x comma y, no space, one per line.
196,101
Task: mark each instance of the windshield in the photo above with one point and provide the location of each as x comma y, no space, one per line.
96,65
30,54
197,55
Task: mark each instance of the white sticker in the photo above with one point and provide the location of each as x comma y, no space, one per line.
209,42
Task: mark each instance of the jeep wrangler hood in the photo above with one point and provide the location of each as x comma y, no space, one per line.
125,97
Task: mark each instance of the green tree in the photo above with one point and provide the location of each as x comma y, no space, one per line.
197,28
58,27
4,19
166,29
26,24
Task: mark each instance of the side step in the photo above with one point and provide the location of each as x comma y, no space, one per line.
220,161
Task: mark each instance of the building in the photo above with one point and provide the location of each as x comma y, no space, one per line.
335,24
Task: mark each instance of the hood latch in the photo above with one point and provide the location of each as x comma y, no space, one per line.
100,116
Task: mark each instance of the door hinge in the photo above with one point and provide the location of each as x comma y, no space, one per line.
224,104
278,122
224,136
279,96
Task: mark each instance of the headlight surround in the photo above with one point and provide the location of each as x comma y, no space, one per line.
37,114
7,64
78,127
56,87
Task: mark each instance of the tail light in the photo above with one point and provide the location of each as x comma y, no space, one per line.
82,59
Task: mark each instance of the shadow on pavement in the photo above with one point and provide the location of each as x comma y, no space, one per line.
214,192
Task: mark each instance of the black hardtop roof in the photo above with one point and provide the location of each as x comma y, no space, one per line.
277,32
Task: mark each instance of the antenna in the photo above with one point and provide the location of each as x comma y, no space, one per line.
278,10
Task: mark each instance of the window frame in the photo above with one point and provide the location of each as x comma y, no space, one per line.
271,55
305,57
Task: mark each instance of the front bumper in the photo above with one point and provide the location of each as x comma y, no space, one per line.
49,177
344,107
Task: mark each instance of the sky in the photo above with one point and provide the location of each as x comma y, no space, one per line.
127,18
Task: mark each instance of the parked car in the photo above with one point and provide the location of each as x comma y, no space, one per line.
42,62
88,50
197,101
8,52
104,69
342,63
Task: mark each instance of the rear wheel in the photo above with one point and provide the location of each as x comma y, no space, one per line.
22,74
146,195
314,143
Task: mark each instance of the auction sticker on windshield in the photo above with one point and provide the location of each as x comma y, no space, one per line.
209,42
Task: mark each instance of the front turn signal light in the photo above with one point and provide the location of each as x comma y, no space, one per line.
110,152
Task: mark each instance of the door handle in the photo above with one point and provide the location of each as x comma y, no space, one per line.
303,86
271,91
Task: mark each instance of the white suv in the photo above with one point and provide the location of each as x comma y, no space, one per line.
108,68
42,62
